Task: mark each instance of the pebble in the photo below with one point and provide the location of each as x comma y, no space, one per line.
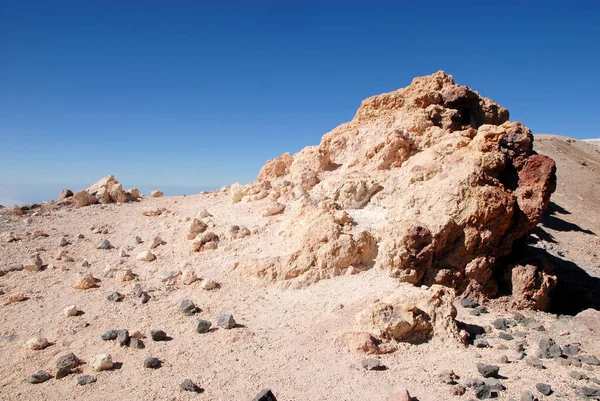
123,338
85,379
208,285
138,240
544,388
136,343
70,310
102,362
136,291
144,297
189,277
115,297
503,359
265,395
203,326
81,236
548,349
158,335
189,385
65,364
481,343
589,359
14,268
109,335
458,390
37,343
85,282
85,263
372,364
39,377
63,242
187,306
488,370
478,311
156,242
500,324
152,362
468,303
105,244
226,321
146,256
591,392
169,275
505,336
527,396
534,362
571,349
578,375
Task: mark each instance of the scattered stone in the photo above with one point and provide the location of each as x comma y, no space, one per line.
156,242
448,377
528,396
116,297
152,362
208,285
63,242
36,343
64,194
14,268
544,388
372,364
481,343
158,335
276,208
123,253
571,349
196,227
458,390
468,303
136,343
226,321
123,338
109,335
578,375
203,326
65,364
548,349
85,263
39,377
127,275
144,297
535,363
188,307
138,240
105,244
591,392
189,277
500,324
478,311
102,362
265,395
85,379
505,336
503,359
189,385
589,359
146,256
136,291
34,264
488,370
85,282
156,193
80,236
169,275
20,297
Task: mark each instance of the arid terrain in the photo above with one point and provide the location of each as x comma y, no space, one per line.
423,247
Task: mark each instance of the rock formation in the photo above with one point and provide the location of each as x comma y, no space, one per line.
442,180
106,190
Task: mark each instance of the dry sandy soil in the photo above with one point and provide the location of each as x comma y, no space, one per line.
285,338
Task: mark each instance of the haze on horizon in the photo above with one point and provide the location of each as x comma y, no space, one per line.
190,96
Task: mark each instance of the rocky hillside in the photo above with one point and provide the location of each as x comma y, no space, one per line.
417,252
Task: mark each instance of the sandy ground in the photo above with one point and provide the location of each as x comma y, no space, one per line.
285,338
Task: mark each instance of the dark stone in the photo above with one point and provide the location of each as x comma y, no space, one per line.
105,244
578,375
189,385
519,334
574,361
494,384
265,395
226,322
518,317
535,363
85,379
115,297
571,349
505,336
500,324
482,390
468,303
123,338
186,306
39,377
528,396
481,343
145,297
81,236
589,359
14,268
203,326
152,363
158,335
549,349
65,364
109,335
372,364
544,388
591,392
138,240
488,370
478,311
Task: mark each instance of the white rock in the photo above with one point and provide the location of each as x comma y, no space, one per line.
166,276
189,277
146,256
208,285
70,310
102,362
36,343
274,209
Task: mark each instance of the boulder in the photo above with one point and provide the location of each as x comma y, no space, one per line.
156,194
64,194
447,181
531,287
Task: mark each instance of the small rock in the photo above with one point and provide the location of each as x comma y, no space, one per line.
400,394
534,362
274,209
39,377
102,362
189,385
156,193
589,359
136,343
571,349
138,240
123,338
544,388
578,375
169,275
500,324
548,349
186,306
478,311
123,253
81,236
116,297
189,277
85,282
372,364
208,285
468,303
65,364
34,264
105,244
458,390
109,335
144,297
505,336
70,310
503,359
448,377
488,370
85,263
36,343
226,321
591,392
63,242
528,396
85,379
14,268
265,395
158,335
127,275
480,343
146,256
17,298
152,362
203,326
156,242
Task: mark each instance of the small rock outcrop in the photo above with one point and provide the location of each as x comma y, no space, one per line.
106,190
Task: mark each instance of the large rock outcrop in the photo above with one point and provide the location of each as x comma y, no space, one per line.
106,190
454,182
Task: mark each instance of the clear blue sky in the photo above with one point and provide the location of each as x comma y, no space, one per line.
190,94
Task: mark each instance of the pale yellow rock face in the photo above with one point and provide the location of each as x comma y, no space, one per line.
441,180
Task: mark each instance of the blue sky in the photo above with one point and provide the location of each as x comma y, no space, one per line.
187,95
